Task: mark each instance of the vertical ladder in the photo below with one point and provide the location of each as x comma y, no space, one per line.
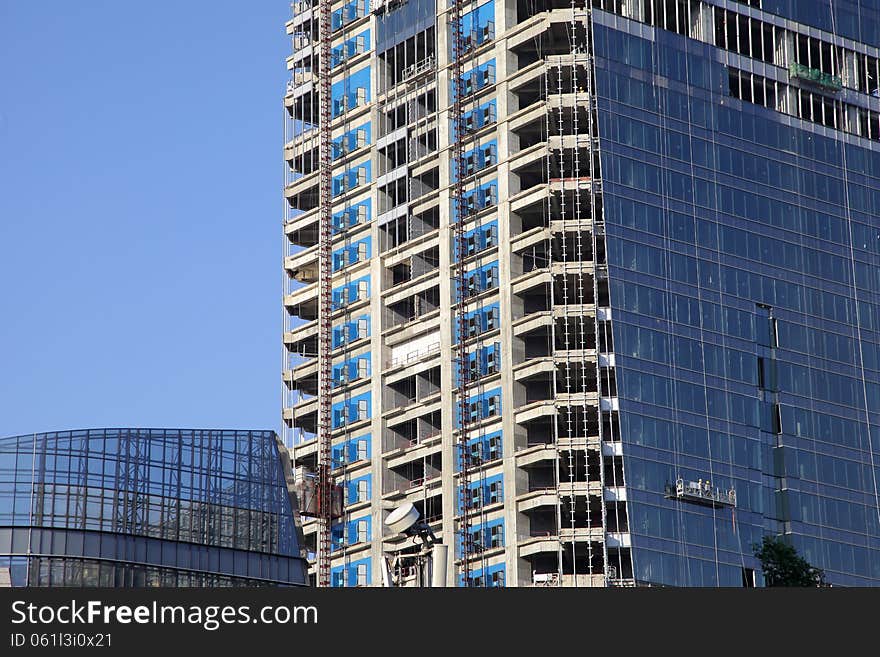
460,357
325,303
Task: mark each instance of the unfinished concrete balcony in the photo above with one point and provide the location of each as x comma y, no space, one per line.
531,411
303,302
527,126
580,182
303,193
533,325
398,336
567,168
528,84
526,238
547,543
297,435
581,566
302,156
580,488
303,265
537,499
533,434
531,455
413,483
530,165
535,378
572,472
304,413
548,289
411,267
303,378
574,311
310,537
412,392
529,284
542,74
304,451
529,169
302,228
410,231
546,409
539,455
575,429
413,468
530,203
412,260
301,103
409,358
413,387
532,21
305,454
412,304
302,340
411,433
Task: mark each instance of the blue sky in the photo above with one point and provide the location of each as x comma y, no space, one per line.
140,213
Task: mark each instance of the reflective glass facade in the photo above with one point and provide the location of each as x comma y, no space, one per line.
146,507
743,237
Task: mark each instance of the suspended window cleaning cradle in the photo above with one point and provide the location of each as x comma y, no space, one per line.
700,492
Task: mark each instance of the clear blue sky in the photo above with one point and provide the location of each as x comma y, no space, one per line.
140,213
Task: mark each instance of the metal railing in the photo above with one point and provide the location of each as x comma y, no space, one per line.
418,68
414,356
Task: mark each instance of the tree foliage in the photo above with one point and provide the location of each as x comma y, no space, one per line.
783,566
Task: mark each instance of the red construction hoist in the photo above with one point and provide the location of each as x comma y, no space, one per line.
459,208
325,304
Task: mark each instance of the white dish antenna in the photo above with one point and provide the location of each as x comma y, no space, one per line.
402,518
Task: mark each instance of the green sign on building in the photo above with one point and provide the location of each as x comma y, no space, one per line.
816,76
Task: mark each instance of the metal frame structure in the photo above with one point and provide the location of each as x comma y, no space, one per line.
459,207
325,300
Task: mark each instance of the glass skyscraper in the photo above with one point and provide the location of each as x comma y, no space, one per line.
741,188
146,507
672,228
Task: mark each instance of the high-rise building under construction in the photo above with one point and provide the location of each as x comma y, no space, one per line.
594,286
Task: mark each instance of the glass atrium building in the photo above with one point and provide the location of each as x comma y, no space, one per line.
146,507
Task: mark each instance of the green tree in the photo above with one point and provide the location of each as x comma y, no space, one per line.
783,566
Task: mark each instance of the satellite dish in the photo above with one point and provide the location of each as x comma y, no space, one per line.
402,518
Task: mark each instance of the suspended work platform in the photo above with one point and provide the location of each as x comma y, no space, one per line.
700,492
